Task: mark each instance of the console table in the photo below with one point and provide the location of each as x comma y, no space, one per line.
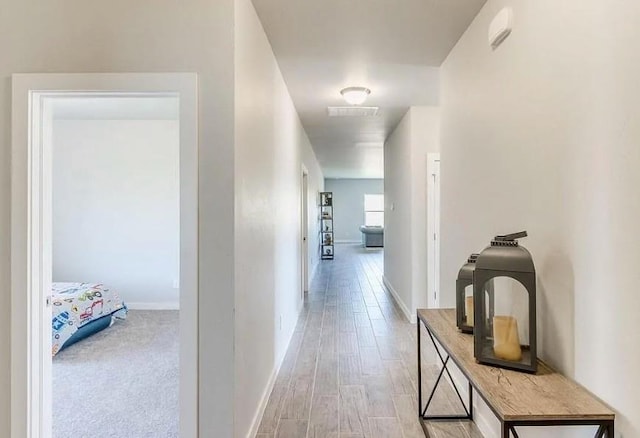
546,398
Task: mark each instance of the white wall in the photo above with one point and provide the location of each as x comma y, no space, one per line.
397,215
145,36
348,205
116,213
271,147
405,190
541,135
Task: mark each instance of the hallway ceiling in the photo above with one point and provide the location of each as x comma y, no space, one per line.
392,47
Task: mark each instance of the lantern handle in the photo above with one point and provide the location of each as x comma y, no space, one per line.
511,237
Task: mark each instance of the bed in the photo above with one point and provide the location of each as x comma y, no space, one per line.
81,310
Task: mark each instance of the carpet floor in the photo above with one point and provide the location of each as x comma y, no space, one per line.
121,382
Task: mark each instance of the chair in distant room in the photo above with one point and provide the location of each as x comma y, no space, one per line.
372,237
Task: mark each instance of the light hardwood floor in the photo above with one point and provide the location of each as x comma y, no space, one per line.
351,368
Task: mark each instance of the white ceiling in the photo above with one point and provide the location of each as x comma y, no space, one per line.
392,47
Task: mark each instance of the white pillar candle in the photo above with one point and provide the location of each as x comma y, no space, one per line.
506,342
468,308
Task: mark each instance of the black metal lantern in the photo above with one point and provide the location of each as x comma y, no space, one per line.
505,326
464,295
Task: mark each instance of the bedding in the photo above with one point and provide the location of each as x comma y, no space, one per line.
82,309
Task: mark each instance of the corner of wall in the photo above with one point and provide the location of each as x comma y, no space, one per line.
272,165
264,400
411,316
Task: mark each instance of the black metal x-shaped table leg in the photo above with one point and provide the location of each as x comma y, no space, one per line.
444,361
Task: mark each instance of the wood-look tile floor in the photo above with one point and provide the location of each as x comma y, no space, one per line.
351,368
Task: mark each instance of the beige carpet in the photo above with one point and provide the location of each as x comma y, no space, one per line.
121,382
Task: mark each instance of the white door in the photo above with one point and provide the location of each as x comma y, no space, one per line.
433,230
31,246
305,232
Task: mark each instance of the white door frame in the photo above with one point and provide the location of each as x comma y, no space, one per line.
31,237
433,230
304,229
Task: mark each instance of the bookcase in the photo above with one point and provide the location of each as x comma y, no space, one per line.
326,226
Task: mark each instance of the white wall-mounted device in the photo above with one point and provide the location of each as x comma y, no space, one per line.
500,27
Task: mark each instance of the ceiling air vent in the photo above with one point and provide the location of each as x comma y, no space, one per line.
352,111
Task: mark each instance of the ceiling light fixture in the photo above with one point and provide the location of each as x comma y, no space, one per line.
355,95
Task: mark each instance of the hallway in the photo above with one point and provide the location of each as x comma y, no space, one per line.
350,370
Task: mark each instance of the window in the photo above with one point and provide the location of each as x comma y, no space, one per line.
374,210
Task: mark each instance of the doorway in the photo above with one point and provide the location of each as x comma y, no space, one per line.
34,96
433,230
305,231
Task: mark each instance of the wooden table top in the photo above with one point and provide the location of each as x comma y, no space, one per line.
512,395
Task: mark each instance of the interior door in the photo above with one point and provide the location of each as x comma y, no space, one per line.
305,232
433,230
436,237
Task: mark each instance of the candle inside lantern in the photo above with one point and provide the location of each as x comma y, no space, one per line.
468,308
506,342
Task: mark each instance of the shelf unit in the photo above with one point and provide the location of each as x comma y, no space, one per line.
326,226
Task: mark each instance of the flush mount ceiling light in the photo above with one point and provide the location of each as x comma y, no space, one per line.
355,95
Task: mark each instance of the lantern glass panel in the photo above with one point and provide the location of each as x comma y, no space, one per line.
507,321
468,305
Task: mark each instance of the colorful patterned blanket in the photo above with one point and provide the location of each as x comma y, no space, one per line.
75,305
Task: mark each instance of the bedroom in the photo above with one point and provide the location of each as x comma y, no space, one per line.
116,265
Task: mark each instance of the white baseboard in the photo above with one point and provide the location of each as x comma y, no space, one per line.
257,418
483,423
169,305
255,423
411,318
480,409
